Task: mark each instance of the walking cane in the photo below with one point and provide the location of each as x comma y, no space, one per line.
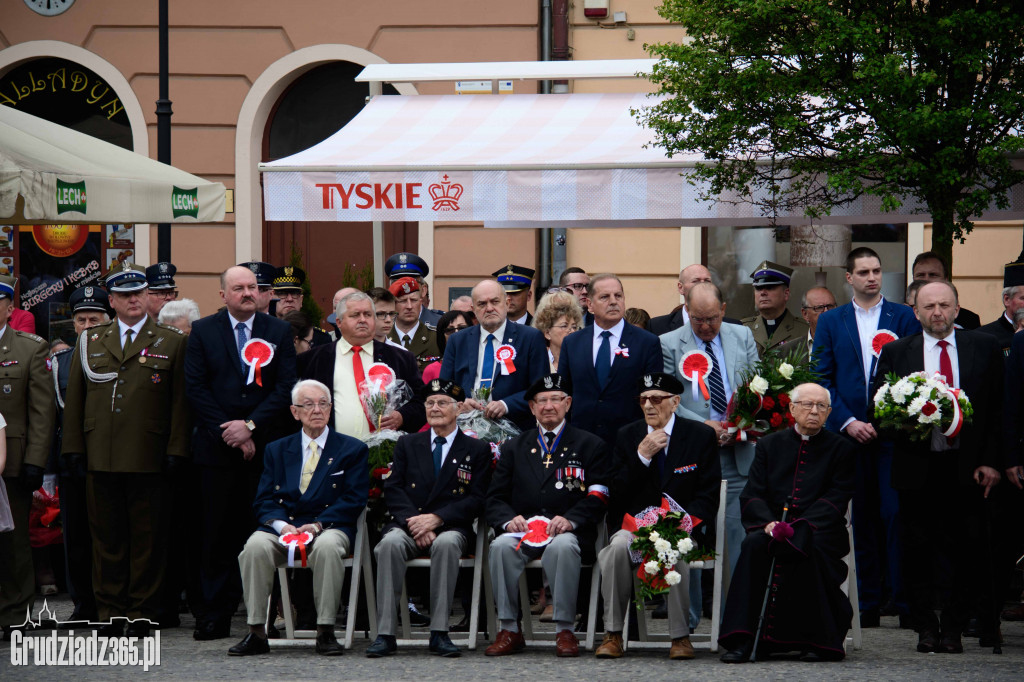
768,589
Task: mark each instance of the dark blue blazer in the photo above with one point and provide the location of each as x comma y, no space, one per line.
838,359
604,411
215,380
531,363
335,496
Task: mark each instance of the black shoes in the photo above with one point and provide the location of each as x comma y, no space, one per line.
384,645
115,628
441,645
208,630
740,654
137,629
416,618
951,643
327,644
252,645
928,642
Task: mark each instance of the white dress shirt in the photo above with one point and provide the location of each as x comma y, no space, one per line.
932,355
650,429
448,440
867,326
614,340
411,334
716,349
136,328
349,417
499,335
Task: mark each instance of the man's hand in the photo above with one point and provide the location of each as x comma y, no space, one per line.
655,442
1015,475
559,525
724,437
235,433
288,529
248,450
392,420
422,524
310,528
862,432
769,527
469,405
517,525
425,540
495,409
986,477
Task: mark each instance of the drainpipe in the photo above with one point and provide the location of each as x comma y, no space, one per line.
544,267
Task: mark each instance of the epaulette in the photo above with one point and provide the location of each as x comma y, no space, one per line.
169,328
752,318
27,335
431,327
62,351
321,330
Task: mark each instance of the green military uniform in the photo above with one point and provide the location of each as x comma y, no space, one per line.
422,344
790,334
126,410
28,405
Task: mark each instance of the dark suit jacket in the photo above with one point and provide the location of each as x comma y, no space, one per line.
968,319
531,363
319,364
1013,405
217,391
693,472
603,411
837,357
412,488
335,496
1003,332
981,378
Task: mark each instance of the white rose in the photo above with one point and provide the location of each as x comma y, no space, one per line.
662,546
684,545
672,557
672,578
654,536
759,385
916,404
786,370
651,567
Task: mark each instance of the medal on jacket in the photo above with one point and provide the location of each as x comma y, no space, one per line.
548,451
504,355
257,353
696,366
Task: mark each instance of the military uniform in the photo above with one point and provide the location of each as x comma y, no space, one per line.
786,333
126,410
423,344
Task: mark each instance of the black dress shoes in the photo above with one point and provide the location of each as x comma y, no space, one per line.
740,654
951,643
115,628
416,618
462,625
252,645
928,642
327,644
137,629
384,645
208,630
441,645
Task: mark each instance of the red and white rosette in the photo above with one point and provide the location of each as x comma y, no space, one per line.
881,337
257,353
296,541
504,355
696,366
958,416
537,535
380,375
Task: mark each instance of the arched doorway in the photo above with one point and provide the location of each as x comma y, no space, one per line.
313,107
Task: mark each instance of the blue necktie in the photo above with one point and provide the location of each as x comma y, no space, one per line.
604,359
487,374
241,341
715,386
438,445
659,459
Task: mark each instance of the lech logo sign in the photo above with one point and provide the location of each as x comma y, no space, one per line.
70,196
185,202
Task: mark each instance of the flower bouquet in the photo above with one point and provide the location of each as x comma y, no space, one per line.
918,404
494,431
380,395
760,405
661,537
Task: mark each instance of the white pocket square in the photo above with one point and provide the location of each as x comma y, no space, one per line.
338,473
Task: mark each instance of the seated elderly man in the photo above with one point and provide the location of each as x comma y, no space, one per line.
435,491
554,471
806,611
316,482
656,456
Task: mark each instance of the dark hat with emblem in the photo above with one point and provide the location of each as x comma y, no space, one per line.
514,278
89,298
443,387
405,265
550,382
125,278
659,381
161,276
768,274
7,287
264,272
289,278
403,287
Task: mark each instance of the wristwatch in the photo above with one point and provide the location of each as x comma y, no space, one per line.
250,424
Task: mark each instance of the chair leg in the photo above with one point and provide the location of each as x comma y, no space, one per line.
403,608
371,595
286,603
492,620
474,610
716,606
595,593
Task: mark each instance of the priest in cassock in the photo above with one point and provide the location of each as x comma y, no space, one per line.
807,611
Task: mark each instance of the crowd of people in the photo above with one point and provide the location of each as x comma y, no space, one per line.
256,415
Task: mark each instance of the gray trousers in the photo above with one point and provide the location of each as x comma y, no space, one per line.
734,530
263,554
393,551
617,583
561,561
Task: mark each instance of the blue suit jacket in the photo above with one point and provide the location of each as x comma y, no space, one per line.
837,357
531,363
335,496
603,411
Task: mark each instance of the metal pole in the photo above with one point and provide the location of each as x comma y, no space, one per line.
768,589
544,267
163,131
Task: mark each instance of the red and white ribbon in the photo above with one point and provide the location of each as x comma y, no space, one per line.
958,416
257,353
538,535
380,375
696,366
295,541
504,355
880,339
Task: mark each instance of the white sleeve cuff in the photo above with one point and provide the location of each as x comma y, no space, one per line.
278,524
646,462
847,423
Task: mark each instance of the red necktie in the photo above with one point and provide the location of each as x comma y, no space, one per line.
945,364
357,370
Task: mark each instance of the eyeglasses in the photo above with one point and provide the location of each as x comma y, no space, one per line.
168,295
705,320
451,330
444,402
323,406
570,327
578,286
655,399
550,400
819,308
288,295
810,406
386,316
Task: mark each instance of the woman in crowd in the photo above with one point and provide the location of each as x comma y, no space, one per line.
451,322
558,314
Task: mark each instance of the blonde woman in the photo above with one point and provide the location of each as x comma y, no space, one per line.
558,314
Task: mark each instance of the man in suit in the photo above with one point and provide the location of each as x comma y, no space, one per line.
235,417
732,351
576,281
774,327
603,360
315,481
435,491
656,456
410,265
126,414
518,284
558,472
931,267
688,276
27,404
342,368
414,335
470,357
1003,328
846,358
946,478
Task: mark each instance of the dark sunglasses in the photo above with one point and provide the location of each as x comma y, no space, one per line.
655,399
